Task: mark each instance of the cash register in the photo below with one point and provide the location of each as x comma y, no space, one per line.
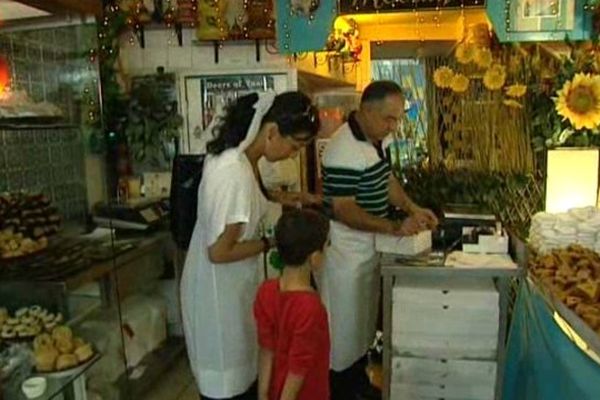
135,214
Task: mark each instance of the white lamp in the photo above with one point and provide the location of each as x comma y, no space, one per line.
571,179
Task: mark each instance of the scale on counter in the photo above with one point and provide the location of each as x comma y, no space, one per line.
457,217
137,214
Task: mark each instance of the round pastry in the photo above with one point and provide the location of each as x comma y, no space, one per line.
78,342
50,326
36,328
35,311
21,328
21,312
59,318
62,333
12,321
8,333
26,333
45,359
66,361
64,346
49,317
27,320
84,353
42,341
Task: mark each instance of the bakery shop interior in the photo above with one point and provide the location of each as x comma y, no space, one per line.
300,199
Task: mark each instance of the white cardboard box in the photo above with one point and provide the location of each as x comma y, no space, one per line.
408,245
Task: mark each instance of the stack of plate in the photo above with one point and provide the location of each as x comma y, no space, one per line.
577,226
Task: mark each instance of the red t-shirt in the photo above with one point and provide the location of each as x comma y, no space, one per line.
293,325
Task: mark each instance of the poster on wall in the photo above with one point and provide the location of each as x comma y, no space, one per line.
543,15
207,95
235,19
540,20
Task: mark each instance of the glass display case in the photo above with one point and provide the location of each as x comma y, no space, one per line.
88,294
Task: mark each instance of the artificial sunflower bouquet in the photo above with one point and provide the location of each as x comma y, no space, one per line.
559,94
479,62
565,105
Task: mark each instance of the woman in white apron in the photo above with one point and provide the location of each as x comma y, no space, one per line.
221,270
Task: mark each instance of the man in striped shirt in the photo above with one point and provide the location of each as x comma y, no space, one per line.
359,190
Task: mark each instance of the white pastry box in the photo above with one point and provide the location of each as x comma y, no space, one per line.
407,245
419,378
457,319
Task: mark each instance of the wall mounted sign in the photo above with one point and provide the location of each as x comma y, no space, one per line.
304,25
373,6
540,20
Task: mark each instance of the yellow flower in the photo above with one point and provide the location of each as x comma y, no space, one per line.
495,77
460,83
443,77
465,53
512,103
579,101
483,57
516,90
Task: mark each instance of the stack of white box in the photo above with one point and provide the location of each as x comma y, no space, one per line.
444,341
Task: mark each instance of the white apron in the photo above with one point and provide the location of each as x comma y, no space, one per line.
349,285
217,298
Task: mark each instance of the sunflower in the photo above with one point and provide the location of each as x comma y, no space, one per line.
579,101
443,77
483,57
494,77
516,90
465,53
460,83
512,103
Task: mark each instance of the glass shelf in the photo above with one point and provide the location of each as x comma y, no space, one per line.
57,384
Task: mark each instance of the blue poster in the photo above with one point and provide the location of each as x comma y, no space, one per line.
304,25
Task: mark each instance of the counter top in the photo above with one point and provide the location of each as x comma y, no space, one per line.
432,264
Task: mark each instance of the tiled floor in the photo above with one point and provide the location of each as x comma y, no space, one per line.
177,384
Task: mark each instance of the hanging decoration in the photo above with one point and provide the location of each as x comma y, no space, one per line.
235,20
376,6
305,25
344,40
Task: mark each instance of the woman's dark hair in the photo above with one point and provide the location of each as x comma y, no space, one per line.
300,233
293,113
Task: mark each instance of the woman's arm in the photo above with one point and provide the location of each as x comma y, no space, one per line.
229,249
265,366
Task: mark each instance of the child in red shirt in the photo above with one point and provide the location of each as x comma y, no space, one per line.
293,332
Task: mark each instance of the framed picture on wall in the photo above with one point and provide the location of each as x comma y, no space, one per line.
540,20
207,95
543,15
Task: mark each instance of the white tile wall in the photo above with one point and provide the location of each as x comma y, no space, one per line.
162,49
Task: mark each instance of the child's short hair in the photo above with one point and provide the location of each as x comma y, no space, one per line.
300,233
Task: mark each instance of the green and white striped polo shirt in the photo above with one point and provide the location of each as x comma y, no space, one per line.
354,167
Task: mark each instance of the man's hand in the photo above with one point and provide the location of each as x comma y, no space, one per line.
425,218
407,227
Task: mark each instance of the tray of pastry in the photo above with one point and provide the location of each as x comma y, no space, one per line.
26,323
26,222
60,353
63,258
